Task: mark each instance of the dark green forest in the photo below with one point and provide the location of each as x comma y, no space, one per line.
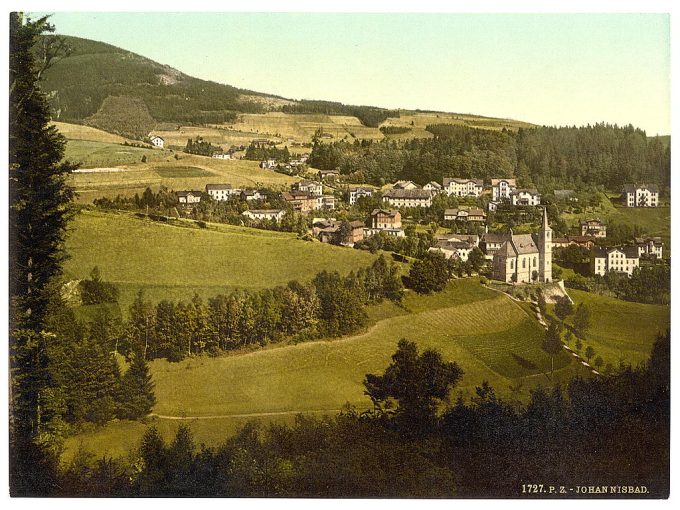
602,155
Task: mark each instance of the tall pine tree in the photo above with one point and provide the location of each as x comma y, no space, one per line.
39,196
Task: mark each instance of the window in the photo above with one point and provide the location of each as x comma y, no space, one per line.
534,261
512,264
524,263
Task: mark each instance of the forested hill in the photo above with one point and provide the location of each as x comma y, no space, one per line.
79,84
117,90
544,157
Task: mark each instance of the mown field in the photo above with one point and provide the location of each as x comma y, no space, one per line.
622,330
420,120
171,262
188,172
217,395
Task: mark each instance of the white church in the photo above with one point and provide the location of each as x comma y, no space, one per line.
525,258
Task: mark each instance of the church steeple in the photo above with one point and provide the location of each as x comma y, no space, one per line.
545,225
544,239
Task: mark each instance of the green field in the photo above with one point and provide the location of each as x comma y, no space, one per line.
94,154
654,221
622,330
217,395
188,172
172,262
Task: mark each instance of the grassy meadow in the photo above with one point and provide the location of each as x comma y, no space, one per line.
622,330
218,395
173,262
188,172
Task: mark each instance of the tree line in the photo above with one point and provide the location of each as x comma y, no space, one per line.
330,305
259,152
542,157
370,116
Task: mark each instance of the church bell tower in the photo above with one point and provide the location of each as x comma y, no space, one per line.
545,249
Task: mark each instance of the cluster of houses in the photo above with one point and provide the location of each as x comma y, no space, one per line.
330,230
272,163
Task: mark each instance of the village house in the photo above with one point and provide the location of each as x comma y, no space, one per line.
593,228
221,155
251,194
325,202
356,193
565,194
326,174
312,187
221,192
268,163
502,188
641,196
387,221
301,201
157,141
455,245
188,197
408,198
491,242
405,185
582,241
525,258
649,247
463,187
265,214
261,142
528,197
621,259
331,231
433,187
472,214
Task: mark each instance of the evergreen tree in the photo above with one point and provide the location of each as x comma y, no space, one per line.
552,344
137,396
38,196
582,320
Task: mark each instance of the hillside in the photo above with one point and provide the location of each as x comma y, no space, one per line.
174,262
110,88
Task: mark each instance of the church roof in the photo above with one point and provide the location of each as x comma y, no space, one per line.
524,244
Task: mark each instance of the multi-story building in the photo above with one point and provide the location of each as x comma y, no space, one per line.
456,187
313,187
408,198
265,214
649,247
357,193
188,197
525,197
472,214
221,192
433,187
641,195
621,259
593,228
502,188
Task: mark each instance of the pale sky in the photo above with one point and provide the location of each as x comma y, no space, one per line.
553,69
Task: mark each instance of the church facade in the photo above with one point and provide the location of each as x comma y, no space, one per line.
525,258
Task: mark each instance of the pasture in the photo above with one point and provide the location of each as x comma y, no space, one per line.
187,172
96,154
172,262
418,121
80,132
622,330
489,335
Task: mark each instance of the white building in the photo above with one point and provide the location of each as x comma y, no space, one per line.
325,202
221,192
463,187
641,196
157,141
525,197
456,245
268,163
593,228
408,198
221,155
356,193
651,247
265,214
433,187
471,214
502,188
621,259
251,194
188,197
313,187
